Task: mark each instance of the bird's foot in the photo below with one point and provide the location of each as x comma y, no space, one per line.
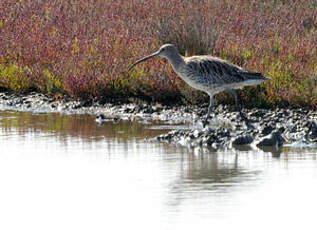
205,122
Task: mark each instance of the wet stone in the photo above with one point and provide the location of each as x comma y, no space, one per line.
281,129
257,113
197,133
273,139
312,131
168,136
86,103
243,140
208,140
268,127
293,129
223,132
130,109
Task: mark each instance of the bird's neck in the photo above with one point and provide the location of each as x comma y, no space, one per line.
176,61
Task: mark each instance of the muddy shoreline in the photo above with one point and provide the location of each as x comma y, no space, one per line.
226,129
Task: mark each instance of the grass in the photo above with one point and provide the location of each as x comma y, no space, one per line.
83,48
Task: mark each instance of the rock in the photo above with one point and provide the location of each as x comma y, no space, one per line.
208,130
312,130
258,113
222,132
148,109
267,130
243,140
116,120
168,136
281,129
197,133
273,139
100,118
207,140
86,103
286,113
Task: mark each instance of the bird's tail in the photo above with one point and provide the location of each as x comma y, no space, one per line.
256,76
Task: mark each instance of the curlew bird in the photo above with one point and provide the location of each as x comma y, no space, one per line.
208,74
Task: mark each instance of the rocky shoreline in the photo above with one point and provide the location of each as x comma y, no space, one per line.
226,129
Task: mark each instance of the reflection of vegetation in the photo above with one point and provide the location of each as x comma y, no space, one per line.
206,173
75,125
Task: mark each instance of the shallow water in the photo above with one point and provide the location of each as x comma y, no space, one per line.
67,172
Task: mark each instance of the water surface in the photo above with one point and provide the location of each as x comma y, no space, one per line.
67,172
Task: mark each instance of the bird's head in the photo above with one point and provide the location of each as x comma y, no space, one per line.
166,51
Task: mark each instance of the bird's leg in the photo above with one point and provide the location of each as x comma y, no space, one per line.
238,107
234,93
211,104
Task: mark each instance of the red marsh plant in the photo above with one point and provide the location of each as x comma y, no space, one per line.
83,47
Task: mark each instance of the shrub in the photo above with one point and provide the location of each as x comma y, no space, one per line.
14,77
190,27
83,47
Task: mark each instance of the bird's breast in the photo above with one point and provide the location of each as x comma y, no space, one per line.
196,81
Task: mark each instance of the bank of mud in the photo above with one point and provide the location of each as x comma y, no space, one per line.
226,129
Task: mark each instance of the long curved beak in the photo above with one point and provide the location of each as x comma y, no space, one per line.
143,59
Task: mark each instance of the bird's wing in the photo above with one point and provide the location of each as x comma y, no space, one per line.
216,71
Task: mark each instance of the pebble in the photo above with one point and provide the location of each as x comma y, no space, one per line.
273,139
269,127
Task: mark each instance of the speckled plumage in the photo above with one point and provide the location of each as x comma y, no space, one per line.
207,73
